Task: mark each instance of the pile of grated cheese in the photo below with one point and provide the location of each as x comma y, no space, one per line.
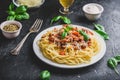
30,3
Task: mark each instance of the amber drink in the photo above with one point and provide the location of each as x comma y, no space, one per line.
66,4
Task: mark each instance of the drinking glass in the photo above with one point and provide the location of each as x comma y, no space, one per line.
66,5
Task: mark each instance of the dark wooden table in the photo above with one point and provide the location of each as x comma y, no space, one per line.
27,66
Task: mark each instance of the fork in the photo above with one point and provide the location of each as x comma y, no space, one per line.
34,28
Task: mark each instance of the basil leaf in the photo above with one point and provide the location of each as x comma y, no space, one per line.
64,34
11,7
25,15
55,19
106,37
66,20
99,27
66,30
11,13
117,58
11,18
103,34
69,27
86,37
45,75
63,18
21,9
18,17
112,63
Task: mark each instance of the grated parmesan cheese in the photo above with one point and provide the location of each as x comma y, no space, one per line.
30,3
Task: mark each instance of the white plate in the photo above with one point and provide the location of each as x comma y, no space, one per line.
94,59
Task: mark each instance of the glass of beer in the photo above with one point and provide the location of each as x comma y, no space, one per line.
65,4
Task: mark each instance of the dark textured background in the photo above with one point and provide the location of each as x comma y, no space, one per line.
27,66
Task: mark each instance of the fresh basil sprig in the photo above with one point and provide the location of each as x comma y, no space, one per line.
86,37
63,18
101,31
19,13
66,31
113,62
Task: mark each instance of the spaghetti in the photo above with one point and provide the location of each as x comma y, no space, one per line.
70,50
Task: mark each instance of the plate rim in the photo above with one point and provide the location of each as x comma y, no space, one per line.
63,65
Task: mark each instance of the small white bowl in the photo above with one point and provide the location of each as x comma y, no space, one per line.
91,14
17,4
11,34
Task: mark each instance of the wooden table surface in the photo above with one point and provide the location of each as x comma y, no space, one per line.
27,66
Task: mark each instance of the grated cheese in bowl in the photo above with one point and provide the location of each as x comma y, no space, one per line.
29,3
